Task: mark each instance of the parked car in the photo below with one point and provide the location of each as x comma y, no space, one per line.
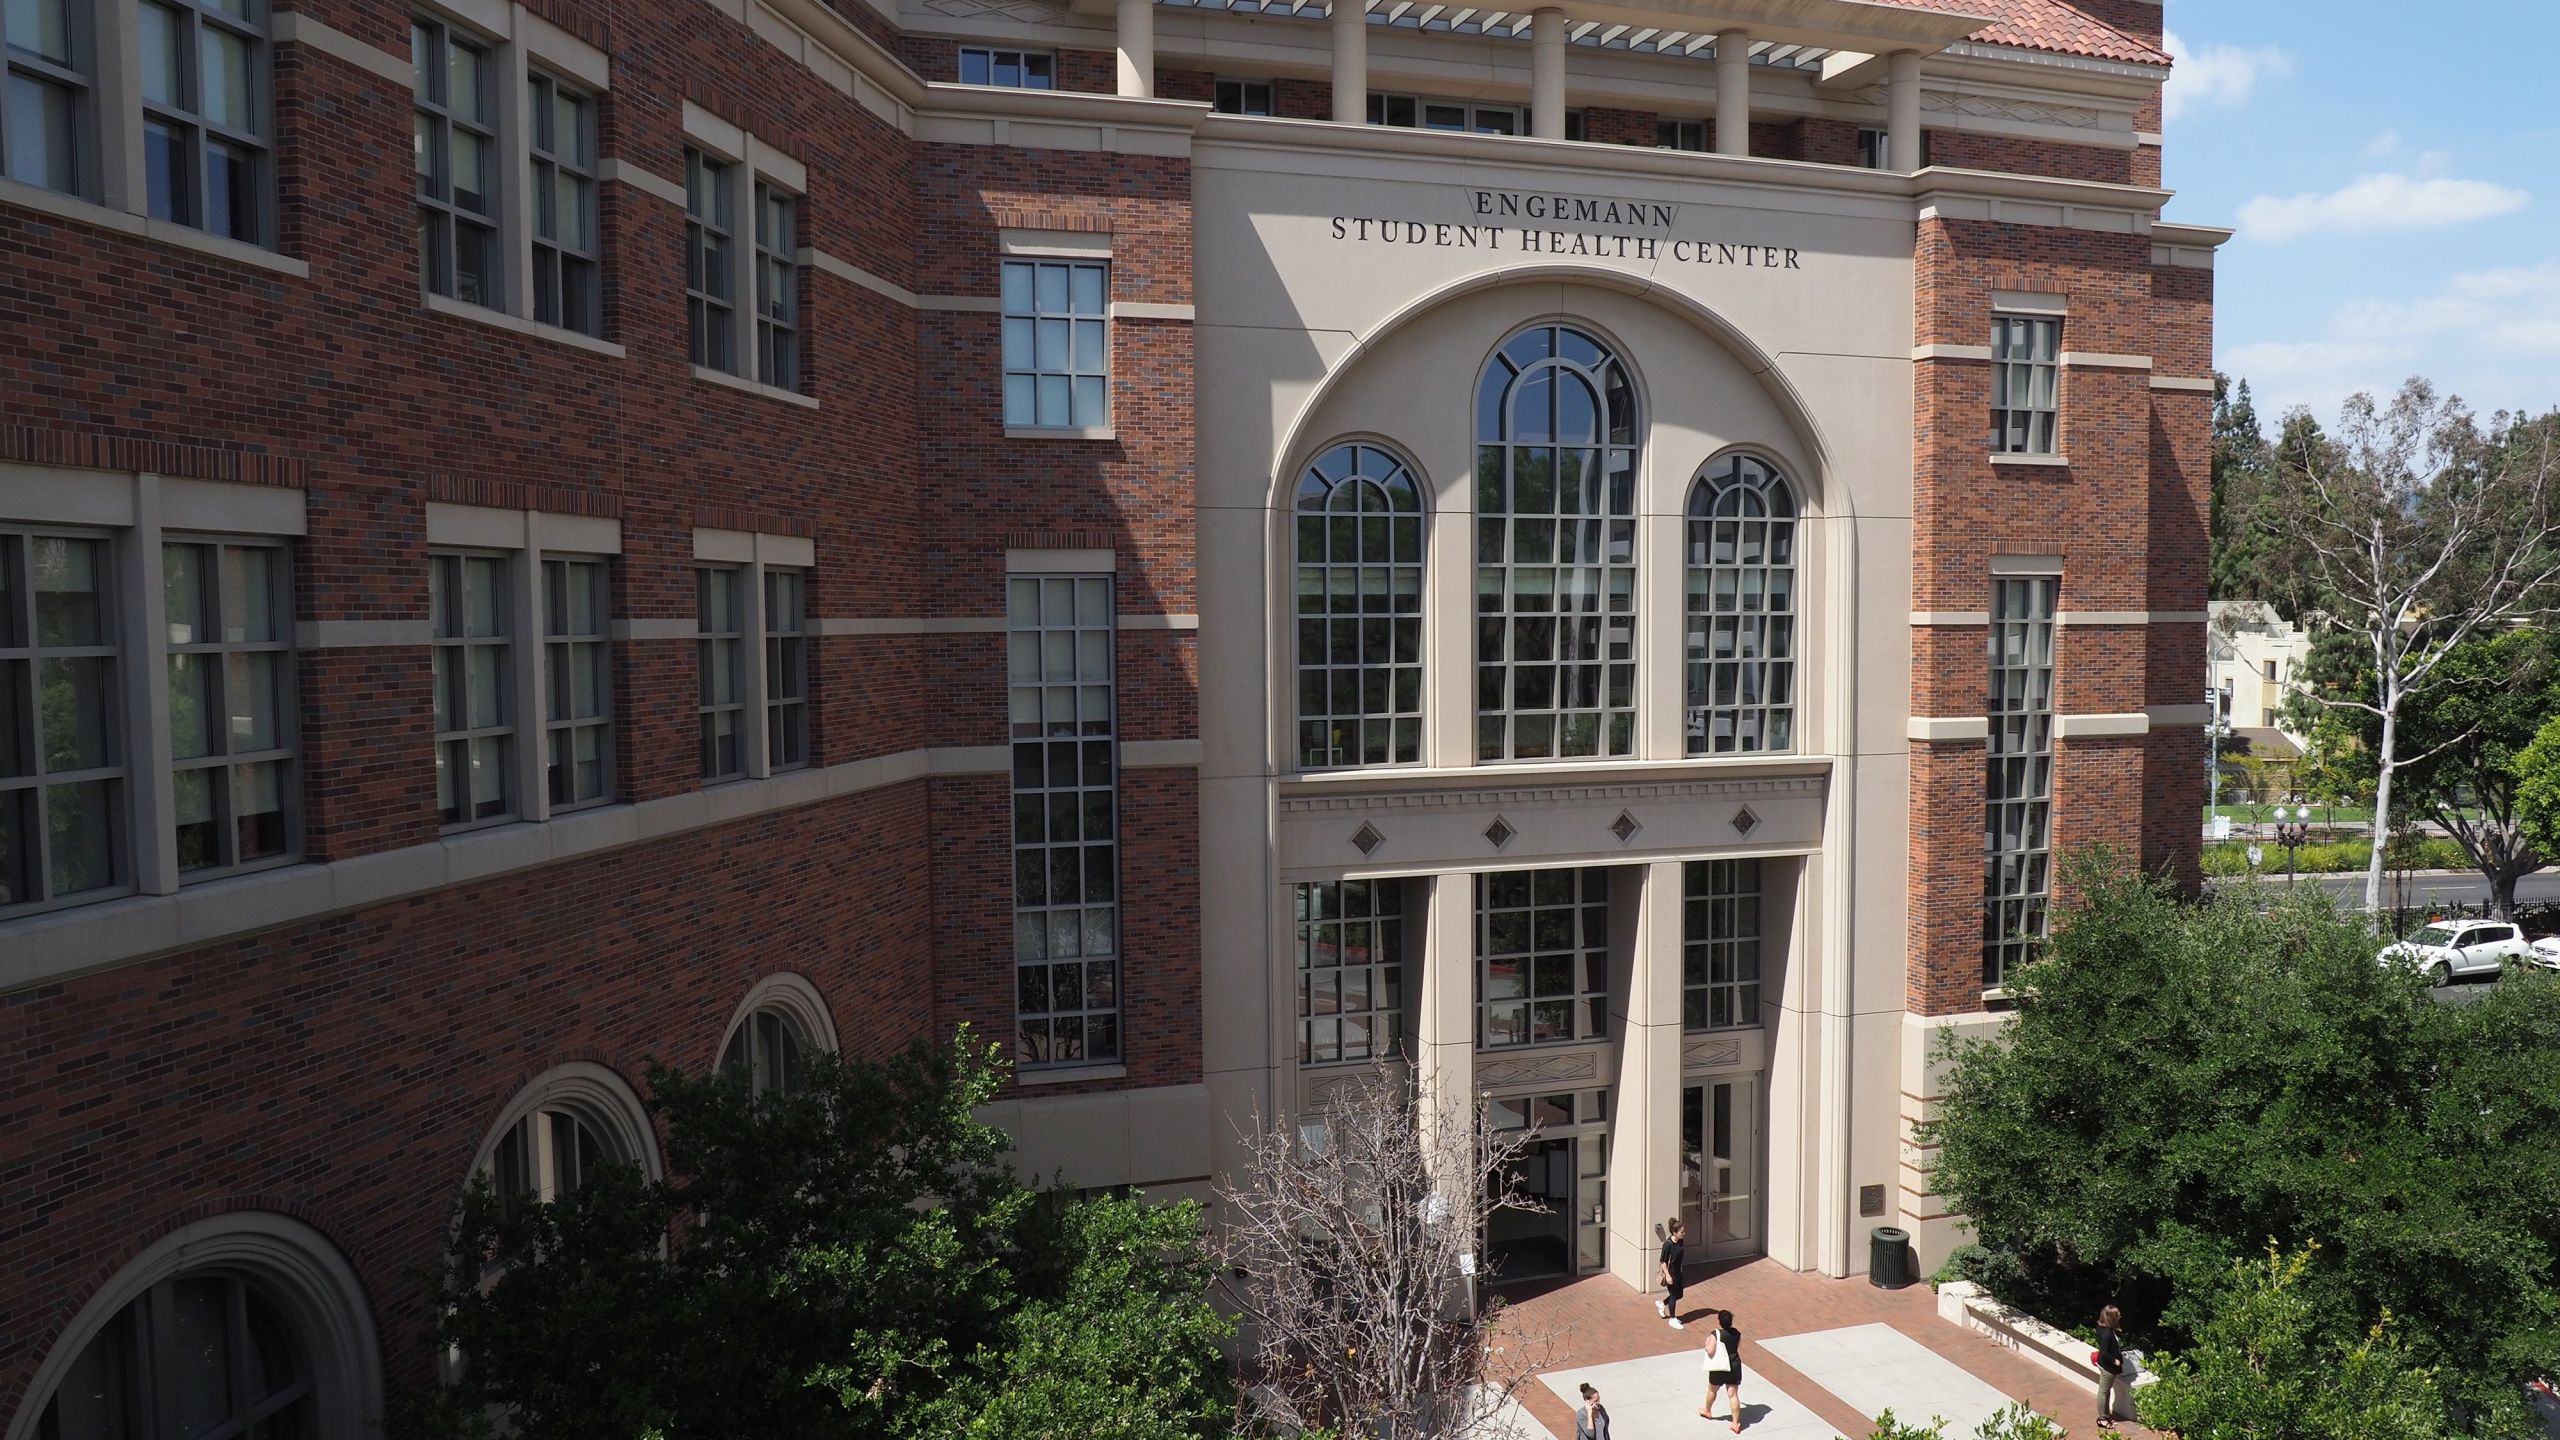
2545,952
2449,948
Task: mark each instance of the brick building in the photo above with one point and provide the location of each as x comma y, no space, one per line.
1210,539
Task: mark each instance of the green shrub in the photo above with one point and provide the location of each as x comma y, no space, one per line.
2224,859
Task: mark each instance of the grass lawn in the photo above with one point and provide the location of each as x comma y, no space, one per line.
2320,814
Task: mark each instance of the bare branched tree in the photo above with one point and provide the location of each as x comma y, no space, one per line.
2420,530
1353,1230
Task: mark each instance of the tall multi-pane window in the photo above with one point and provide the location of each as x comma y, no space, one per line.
769,1052
2026,380
204,113
231,703
475,684
62,768
1741,610
720,620
548,1155
1057,348
46,109
786,668
1242,97
1066,878
1350,970
710,229
1013,69
777,287
1542,957
578,682
1720,944
2017,836
455,143
1555,550
197,1355
1359,539
567,290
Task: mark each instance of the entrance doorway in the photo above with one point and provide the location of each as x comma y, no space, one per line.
1526,1245
1720,1166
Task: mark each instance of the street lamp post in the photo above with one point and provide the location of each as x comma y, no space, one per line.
2291,832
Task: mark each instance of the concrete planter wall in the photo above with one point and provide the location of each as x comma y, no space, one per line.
1961,1302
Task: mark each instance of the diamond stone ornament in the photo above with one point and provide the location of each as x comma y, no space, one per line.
1744,822
1499,832
1625,827
1368,838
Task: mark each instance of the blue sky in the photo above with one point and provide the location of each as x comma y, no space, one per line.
2389,167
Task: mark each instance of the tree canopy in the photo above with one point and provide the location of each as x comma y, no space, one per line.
850,1259
2183,1084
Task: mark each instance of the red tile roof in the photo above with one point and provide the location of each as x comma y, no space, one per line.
2046,25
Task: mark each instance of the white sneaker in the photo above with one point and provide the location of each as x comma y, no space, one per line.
1676,1325
1662,1308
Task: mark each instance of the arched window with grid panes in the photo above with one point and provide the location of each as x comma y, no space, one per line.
1359,610
1741,636
1556,429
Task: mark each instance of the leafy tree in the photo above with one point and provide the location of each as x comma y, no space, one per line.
2459,739
2182,1083
2416,530
2248,559
851,1259
2264,1367
2537,784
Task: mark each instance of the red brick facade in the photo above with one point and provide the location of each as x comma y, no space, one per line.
345,1069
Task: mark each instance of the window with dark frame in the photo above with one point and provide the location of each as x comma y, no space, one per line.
1057,344
777,287
2026,381
786,668
1680,135
1420,112
1741,639
204,114
1350,943
2017,838
458,162
1359,610
720,622
567,284
1242,97
232,704
1720,944
1875,148
197,1354
1011,69
63,774
1542,957
47,125
1066,876
770,1051
710,229
578,681
474,629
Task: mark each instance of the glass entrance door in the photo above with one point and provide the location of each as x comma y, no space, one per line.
1720,1166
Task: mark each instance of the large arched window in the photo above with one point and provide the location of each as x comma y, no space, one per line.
779,1025
1555,550
561,1127
1359,539
241,1325
1742,609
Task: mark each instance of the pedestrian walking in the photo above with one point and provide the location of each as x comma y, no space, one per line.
1675,1273
2115,1393
1590,1418
1723,1358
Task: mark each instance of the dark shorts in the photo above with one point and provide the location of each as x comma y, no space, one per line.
1724,1377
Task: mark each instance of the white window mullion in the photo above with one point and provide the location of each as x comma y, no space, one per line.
740,178
515,190
115,30
146,693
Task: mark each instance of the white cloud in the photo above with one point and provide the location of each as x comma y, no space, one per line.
2217,75
2389,201
2491,336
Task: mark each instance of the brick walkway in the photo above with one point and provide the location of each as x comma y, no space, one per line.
1604,1321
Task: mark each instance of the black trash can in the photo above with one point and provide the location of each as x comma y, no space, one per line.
1888,1257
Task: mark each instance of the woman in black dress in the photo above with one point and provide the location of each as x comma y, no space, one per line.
2110,1362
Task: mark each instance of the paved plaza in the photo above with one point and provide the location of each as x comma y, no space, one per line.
1821,1359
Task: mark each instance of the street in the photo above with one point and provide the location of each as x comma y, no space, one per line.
2428,887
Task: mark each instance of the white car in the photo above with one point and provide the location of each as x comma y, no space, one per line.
2449,948
2546,953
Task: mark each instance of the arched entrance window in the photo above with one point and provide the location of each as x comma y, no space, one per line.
781,1023
1741,682
561,1127
1556,430
242,1325
1359,611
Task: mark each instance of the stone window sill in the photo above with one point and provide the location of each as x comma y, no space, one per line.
753,387
86,212
1068,1075
517,324
1060,432
2048,462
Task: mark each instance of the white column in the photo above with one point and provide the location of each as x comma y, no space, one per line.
1733,93
1546,74
1350,20
1644,1140
1902,111
1444,1048
144,637
1138,49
